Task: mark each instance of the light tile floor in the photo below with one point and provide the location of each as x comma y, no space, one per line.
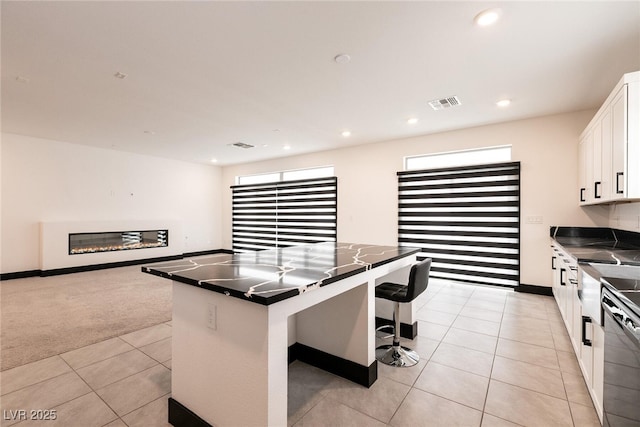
489,357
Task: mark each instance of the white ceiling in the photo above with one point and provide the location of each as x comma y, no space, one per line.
203,75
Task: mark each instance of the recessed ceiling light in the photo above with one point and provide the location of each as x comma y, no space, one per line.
346,133
214,160
286,147
120,75
412,121
503,103
343,58
488,17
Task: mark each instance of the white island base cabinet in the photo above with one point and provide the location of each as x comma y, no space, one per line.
230,356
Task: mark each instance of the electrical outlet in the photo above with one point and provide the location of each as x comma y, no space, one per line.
212,317
536,219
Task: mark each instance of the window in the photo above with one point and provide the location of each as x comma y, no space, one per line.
321,172
284,213
459,158
467,219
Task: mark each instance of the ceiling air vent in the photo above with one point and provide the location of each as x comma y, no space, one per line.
441,104
242,145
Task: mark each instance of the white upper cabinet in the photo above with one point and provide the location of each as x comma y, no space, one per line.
609,150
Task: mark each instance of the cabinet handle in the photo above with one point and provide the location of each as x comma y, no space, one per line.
582,199
595,190
585,341
562,270
553,263
618,175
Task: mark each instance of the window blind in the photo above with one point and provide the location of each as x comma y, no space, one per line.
284,213
467,219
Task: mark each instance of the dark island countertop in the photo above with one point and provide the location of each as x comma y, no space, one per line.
269,276
599,245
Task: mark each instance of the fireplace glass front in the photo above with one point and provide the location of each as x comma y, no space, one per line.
84,243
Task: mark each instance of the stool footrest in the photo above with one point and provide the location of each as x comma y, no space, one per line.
385,331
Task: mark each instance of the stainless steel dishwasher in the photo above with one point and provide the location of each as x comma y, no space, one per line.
621,304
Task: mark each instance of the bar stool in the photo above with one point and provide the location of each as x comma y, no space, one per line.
395,354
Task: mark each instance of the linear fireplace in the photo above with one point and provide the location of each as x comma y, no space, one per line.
84,243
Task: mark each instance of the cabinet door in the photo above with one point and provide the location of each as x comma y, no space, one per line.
576,330
582,171
585,355
562,294
606,154
555,281
619,144
586,161
597,384
596,162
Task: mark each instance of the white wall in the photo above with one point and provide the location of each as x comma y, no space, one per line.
547,148
625,216
45,180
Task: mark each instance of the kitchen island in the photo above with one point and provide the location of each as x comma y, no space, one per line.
233,325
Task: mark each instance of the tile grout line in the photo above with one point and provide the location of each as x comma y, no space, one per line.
93,391
486,395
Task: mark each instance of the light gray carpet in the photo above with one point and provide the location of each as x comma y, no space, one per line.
45,316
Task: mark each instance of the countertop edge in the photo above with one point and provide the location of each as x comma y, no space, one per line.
258,299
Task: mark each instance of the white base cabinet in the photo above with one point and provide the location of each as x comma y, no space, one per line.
588,343
587,336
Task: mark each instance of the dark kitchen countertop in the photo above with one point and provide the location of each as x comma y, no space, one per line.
266,277
594,245
600,245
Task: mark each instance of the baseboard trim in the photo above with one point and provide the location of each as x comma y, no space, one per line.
181,416
93,267
409,331
534,289
20,274
208,252
352,371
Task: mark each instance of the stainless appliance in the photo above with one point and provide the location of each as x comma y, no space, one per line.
621,304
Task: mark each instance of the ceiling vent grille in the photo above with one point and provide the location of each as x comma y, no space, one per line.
242,145
441,104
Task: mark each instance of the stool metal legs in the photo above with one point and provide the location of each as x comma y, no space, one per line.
395,354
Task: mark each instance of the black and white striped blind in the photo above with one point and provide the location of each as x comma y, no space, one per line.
285,213
467,219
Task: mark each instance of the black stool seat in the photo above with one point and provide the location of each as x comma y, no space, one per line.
392,291
397,355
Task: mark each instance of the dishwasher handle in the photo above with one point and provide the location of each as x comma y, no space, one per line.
626,320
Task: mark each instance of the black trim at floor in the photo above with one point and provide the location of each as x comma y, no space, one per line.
93,267
20,274
534,289
181,416
352,371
